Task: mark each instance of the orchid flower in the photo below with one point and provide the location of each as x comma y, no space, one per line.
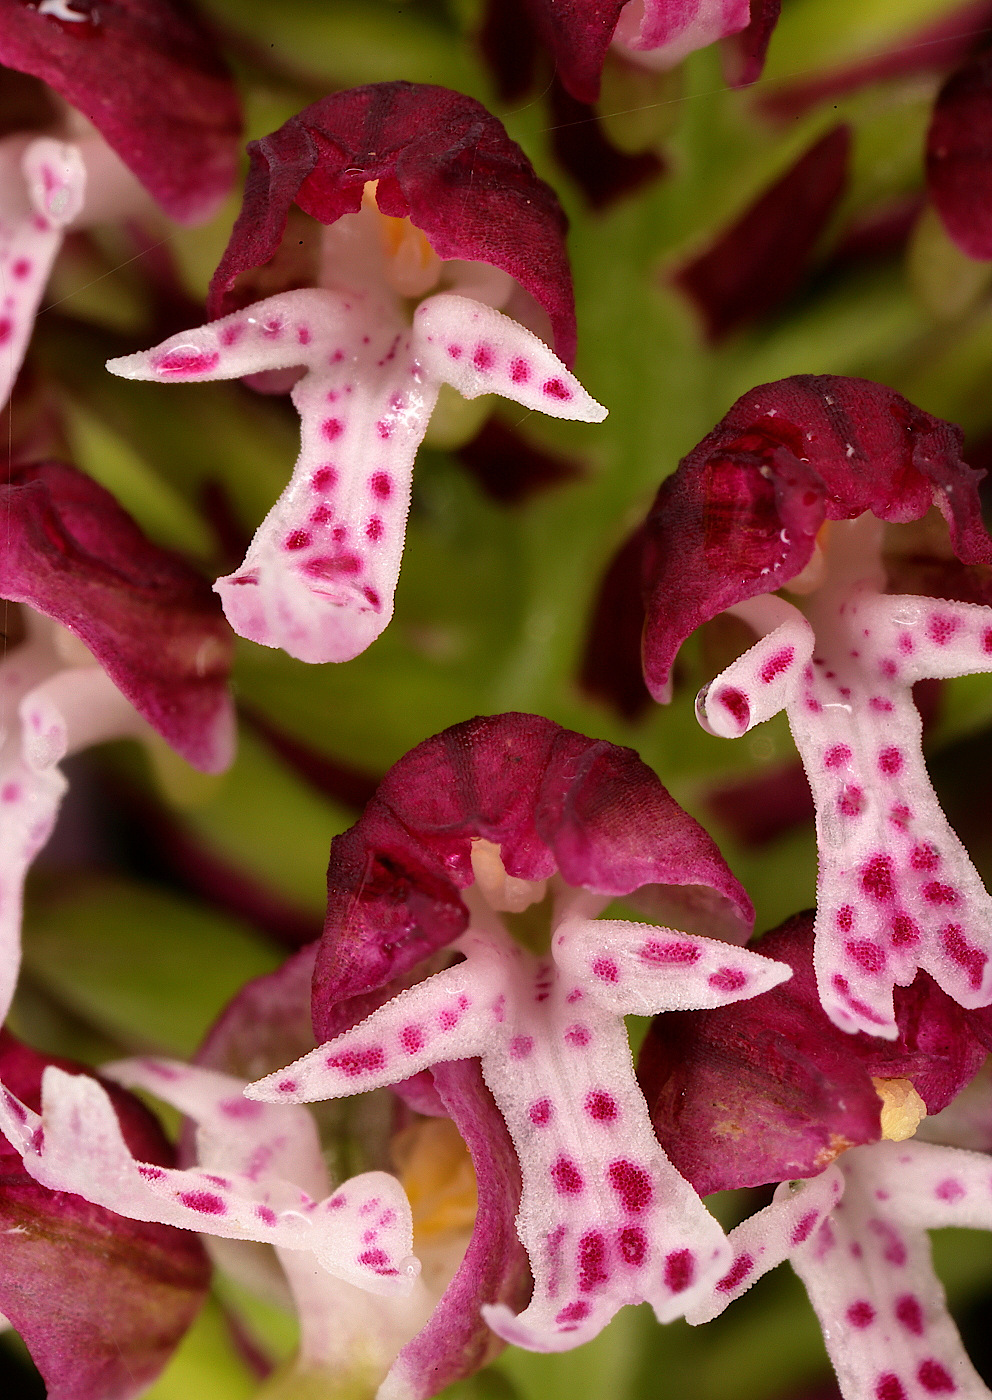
100,1301
422,191
131,89
367,1315
514,826
120,638
793,490
856,1232
579,34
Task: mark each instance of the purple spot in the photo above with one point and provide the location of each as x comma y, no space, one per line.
592,1261
936,893
866,954
521,1046
959,950
880,705
851,802
987,640
669,953
185,361
381,485
455,351
555,389
21,268
287,1086
876,878
804,1227
899,815
373,529
736,703
845,918
541,1112
376,1259
889,1387
566,1177
519,370
324,478
231,334
606,970
633,1244
330,565
203,1201
266,1214
632,1184
321,515
384,428
578,1036
412,1039
941,628
905,644
727,979
679,1269
241,1109
299,539
776,664
924,857
10,792
332,428
483,357
910,1314
890,761
894,1251
6,326
736,1274
861,1313
934,1378
151,1173
601,1106
949,1190
574,1312
904,931
837,757
576,994
355,1062
372,597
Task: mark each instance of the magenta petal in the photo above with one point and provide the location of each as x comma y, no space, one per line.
744,1095
959,156
150,621
150,80
100,1301
551,799
439,157
456,1341
739,516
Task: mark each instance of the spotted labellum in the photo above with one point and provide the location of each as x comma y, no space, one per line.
853,1218
513,824
443,203
797,489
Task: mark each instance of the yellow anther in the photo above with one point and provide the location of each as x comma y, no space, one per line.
902,1108
504,892
438,1177
412,266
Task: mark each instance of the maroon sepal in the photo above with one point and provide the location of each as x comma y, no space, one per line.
509,468
150,79
740,515
153,624
760,261
611,662
770,1090
744,53
100,1301
603,172
959,156
440,159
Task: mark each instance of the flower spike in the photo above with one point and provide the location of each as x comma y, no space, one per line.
321,573
791,490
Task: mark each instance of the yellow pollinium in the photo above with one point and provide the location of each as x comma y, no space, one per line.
412,265
438,1177
902,1108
